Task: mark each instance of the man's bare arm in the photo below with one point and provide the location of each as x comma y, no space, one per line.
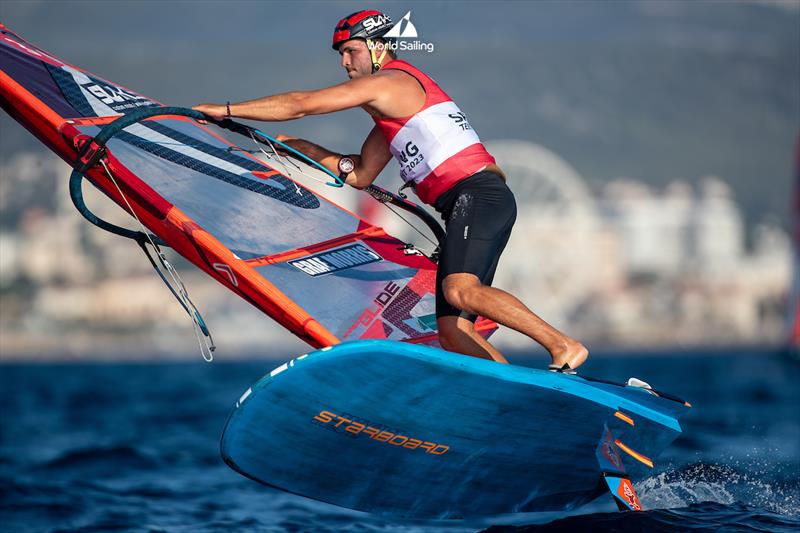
298,104
373,158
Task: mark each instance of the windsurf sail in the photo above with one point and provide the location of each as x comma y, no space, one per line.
319,270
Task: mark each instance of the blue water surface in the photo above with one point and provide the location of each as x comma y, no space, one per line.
134,447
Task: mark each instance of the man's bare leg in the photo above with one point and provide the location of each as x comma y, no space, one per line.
458,334
466,292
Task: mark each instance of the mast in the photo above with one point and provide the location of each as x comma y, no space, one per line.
794,294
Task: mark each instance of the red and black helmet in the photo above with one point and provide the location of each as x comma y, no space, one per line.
367,24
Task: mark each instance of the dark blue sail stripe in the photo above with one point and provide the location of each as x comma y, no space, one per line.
282,189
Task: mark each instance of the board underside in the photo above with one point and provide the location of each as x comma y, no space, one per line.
413,431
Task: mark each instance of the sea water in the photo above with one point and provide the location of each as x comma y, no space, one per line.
134,447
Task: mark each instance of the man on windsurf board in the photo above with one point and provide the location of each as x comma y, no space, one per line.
442,158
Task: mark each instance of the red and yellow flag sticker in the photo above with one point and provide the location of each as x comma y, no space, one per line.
626,493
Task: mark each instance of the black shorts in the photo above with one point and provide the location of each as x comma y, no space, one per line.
479,213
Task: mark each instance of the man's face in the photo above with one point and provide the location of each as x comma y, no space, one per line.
356,59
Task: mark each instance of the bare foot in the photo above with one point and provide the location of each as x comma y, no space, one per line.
573,354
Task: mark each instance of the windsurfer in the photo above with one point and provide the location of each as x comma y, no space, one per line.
441,156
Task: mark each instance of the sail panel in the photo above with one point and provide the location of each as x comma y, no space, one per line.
252,209
363,289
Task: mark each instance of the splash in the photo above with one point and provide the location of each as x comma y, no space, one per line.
723,484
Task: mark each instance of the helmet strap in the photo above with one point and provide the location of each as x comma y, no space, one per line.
376,61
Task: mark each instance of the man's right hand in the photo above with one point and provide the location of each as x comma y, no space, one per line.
214,111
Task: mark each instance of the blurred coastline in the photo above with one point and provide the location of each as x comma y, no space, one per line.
626,266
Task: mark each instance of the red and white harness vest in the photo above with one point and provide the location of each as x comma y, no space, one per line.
436,147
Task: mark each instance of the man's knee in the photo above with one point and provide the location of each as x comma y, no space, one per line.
459,289
454,296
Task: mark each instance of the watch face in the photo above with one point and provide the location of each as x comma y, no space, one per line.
346,165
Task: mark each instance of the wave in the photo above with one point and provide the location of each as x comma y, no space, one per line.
105,457
707,516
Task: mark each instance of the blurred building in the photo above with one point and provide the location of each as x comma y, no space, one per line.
625,265
636,266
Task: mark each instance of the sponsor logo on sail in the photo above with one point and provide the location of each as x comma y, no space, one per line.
336,260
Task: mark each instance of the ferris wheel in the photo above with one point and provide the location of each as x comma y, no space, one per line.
552,255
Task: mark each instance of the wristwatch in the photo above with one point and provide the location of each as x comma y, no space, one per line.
346,166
